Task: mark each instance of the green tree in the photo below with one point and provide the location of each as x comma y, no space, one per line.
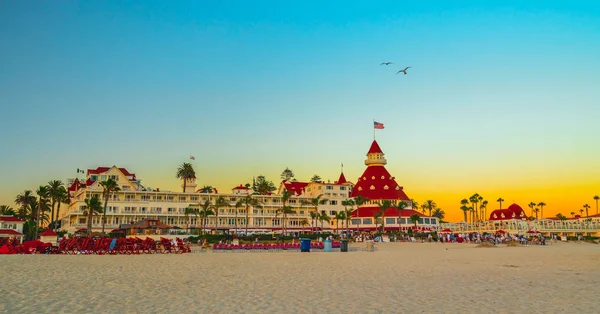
314,216
439,214
6,210
561,217
324,217
430,205
340,216
348,204
573,214
263,186
483,209
359,201
532,206
109,187
414,219
464,202
205,212
381,213
315,202
189,211
587,207
285,209
474,199
219,202
62,198
43,194
93,206
541,205
596,198
401,206
55,189
248,202
316,178
207,189
500,200
185,172
287,174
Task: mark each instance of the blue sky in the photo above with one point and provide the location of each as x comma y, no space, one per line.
253,87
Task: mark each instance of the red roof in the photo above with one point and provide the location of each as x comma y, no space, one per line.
48,233
342,179
374,148
297,188
100,170
75,186
376,183
10,219
390,212
241,187
513,211
10,232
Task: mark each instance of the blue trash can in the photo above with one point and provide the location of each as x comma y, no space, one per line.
304,245
327,246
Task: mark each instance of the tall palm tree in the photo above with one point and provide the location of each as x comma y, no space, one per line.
285,209
465,210
587,207
474,199
532,206
596,198
248,202
189,211
500,200
185,172
561,217
414,204
6,210
359,201
430,205
401,206
340,216
573,214
108,187
536,211
464,202
207,189
581,212
26,211
219,202
381,213
205,212
439,214
92,206
314,216
304,223
43,195
541,205
55,188
63,198
483,210
324,217
347,212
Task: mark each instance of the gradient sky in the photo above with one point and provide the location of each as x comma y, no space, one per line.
502,99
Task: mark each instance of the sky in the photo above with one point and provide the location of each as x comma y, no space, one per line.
502,98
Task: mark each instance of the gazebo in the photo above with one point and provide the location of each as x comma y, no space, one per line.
49,236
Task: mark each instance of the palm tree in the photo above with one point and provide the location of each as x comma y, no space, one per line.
430,205
6,210
304,223
359,201
531,205
219,202
43,194
536,210
92,206
581,212
381,213
248,202
26,202
185,172
439,214
541,205
464,202
500,200
340,216
61,198
109,186
596,198
587,207
561,217
573,214
414,204
323,217
465,209
55,188
401,206
207,189
314,216
285,210
414,219
474,199
483,210
188,212
347,212
204,213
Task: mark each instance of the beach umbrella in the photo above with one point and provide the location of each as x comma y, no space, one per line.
446,230
501,231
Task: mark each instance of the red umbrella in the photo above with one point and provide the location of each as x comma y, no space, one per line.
501,231
533,231
446,230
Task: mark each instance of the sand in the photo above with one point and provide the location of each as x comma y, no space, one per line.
398,278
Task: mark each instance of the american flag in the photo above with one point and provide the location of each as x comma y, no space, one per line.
192,157
378,125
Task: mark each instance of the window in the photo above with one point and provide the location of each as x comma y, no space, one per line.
94,178
115,178
344,195
194,198
144,197
426,220
292,201
171,210
103,178
355,221
170,198
329,187
332,212
434,221
81,221
342,188
182,198
333,202
390,221
232,199
367,221
420,221
403,221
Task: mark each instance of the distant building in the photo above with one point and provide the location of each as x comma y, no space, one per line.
11,227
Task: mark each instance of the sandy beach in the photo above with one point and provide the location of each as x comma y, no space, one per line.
398,278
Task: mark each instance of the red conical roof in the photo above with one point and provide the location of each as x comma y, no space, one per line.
374,148
48,233
342,179
376,183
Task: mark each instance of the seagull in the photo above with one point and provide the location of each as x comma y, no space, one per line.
403,71
386,63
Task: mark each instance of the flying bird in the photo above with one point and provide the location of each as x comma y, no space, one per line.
403,71
386,63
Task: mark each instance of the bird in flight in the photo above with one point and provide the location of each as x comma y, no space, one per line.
403,71
386,63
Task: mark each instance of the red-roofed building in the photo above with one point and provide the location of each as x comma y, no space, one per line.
244,190
513,212
377,185
10,227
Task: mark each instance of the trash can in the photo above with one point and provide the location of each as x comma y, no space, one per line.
370,246
344,246
327,247
304,245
